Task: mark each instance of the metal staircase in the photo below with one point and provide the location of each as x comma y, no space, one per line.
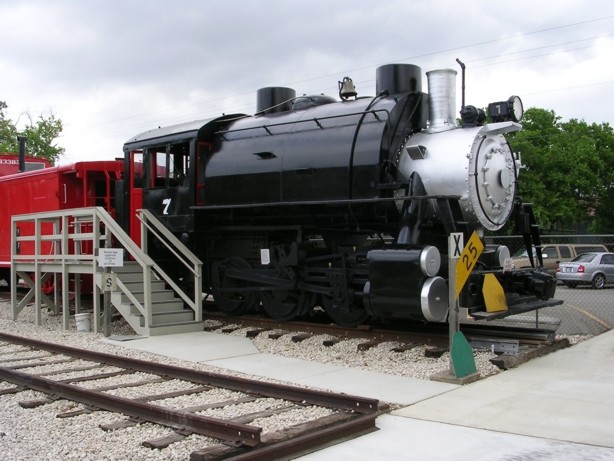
66,242
168,314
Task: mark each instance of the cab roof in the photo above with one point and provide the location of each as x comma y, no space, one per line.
201,129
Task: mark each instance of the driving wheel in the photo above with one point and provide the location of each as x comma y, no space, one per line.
344,313
285,305
232,296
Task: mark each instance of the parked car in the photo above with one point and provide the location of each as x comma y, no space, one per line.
595,269
554,254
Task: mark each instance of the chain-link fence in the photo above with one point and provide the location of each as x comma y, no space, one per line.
586,310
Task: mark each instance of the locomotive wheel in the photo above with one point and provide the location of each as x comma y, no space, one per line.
228,300
284,305
346,316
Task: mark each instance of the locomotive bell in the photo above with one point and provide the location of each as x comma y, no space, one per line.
347,89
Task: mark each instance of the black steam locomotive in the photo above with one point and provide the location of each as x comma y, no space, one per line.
341,205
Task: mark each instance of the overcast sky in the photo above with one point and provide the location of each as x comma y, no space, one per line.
110,69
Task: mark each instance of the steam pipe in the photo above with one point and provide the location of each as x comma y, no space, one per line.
462,82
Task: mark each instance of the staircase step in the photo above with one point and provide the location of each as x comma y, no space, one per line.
158,307
137,285
170,317
161,295
176,328
136,276
129,269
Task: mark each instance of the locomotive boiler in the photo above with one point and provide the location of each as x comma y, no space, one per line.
342,205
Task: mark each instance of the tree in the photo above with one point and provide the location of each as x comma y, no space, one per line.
604,208
568,175
8,132
40,135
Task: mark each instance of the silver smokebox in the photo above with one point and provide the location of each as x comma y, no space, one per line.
442,99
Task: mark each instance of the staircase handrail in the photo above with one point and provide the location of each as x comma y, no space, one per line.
152,224
140,257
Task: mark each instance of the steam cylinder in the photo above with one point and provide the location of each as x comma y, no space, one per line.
403,284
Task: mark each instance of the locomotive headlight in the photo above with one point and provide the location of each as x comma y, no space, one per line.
510,110
517,108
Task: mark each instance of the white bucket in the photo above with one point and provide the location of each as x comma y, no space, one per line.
83,322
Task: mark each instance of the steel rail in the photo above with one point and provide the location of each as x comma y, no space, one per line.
303,444
180,420
323,398
362,331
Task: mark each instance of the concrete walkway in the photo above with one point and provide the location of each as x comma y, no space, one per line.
557,407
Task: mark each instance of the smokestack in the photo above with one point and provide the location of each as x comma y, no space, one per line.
442,99
22,153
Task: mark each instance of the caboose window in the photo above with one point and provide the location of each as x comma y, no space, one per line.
31,166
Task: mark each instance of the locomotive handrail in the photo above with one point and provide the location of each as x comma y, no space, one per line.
405,198
316,120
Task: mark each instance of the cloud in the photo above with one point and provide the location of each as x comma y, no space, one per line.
111,69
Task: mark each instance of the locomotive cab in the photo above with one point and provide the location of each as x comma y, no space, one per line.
164,171
168,183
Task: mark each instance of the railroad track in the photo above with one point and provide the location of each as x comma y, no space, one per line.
426,334
89,378
432,334
517,344
512,345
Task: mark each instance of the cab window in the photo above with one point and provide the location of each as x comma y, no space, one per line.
179,163
168,165
136,157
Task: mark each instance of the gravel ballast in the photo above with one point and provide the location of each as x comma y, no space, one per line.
38,434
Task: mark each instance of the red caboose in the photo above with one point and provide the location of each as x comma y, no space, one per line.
82,184
9,163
